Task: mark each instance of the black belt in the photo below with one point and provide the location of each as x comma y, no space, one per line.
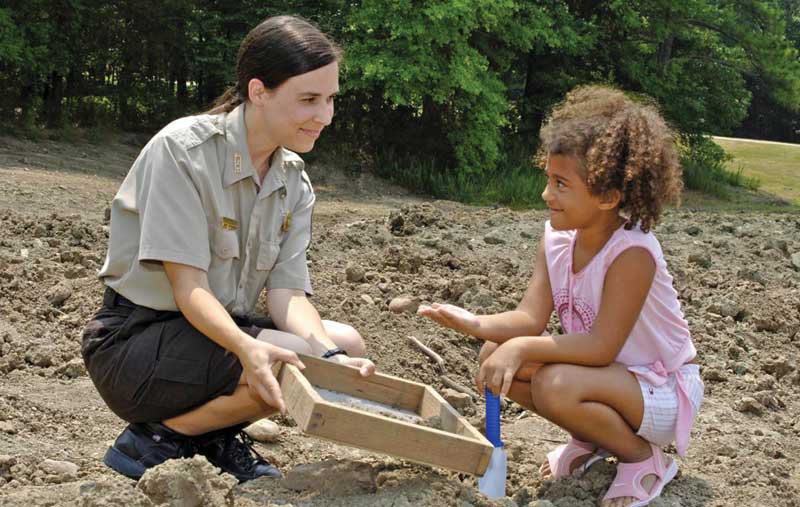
112,298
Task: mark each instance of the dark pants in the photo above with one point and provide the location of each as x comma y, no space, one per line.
150,365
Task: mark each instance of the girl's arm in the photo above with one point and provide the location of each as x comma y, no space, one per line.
627,284
202,309
529,318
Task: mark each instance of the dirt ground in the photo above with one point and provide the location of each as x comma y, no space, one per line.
738,275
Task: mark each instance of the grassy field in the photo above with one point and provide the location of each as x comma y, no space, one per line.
777,166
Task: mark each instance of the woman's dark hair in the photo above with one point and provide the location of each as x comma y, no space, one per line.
277,49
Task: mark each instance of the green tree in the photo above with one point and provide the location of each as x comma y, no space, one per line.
767,118
433,76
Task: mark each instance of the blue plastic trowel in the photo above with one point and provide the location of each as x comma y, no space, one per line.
493,482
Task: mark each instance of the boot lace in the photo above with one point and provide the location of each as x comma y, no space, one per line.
242,451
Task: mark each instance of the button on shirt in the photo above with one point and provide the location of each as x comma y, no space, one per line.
193,197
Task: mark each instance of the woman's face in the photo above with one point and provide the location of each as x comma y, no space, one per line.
295,113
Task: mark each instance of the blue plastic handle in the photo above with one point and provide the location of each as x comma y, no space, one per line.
493,419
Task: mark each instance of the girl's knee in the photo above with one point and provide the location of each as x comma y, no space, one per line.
550,385
486,351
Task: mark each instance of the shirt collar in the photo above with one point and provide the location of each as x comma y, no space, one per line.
238,165
276,176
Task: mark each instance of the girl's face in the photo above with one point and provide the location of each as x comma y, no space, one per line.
295,113
571,205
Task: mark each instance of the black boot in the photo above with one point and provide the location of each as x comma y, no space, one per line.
233,455
145,445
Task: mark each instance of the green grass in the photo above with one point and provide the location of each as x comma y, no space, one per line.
776,166
713,179
518,185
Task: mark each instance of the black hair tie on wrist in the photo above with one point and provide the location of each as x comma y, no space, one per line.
334,352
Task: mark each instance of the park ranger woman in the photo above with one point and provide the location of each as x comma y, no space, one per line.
216,208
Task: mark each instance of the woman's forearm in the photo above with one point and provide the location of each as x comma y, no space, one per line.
202,309
293,312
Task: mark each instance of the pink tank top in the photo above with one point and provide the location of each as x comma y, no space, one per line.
660,334
659,343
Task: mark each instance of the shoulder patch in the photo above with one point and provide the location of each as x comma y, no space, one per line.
193,131
292,160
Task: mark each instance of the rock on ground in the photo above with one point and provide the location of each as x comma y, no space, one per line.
263,430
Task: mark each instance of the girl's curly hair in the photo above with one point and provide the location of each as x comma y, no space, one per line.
622,144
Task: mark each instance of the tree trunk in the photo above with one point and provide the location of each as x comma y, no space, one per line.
664,52
27,116
536,90
181,77
54,95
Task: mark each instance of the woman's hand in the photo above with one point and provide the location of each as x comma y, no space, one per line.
498,370
257,359
364,365
451,316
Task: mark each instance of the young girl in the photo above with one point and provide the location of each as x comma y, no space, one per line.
215,209
621,379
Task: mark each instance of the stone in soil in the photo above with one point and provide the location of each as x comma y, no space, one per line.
263,430
59,471
404,304
779,367
355,274
456,399
59,293
796,260
750,405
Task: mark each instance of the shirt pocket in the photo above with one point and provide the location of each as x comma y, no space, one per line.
225,244
267,255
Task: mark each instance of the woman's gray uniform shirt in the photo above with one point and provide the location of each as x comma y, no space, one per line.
192,197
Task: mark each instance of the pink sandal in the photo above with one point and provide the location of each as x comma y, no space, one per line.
628,481
563,456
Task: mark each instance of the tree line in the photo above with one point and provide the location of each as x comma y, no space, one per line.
463,83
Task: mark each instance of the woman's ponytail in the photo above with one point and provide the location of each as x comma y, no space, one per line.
226,102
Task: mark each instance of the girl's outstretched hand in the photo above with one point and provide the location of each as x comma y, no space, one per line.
498,370
451,316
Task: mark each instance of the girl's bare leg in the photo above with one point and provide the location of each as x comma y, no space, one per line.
601,405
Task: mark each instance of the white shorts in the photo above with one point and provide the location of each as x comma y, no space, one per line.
661,404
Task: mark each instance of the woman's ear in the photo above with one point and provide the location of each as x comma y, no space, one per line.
256,92
610,199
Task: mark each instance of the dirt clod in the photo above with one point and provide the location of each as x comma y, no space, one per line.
334,477
188,482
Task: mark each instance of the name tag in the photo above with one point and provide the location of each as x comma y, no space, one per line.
287,222
229,224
